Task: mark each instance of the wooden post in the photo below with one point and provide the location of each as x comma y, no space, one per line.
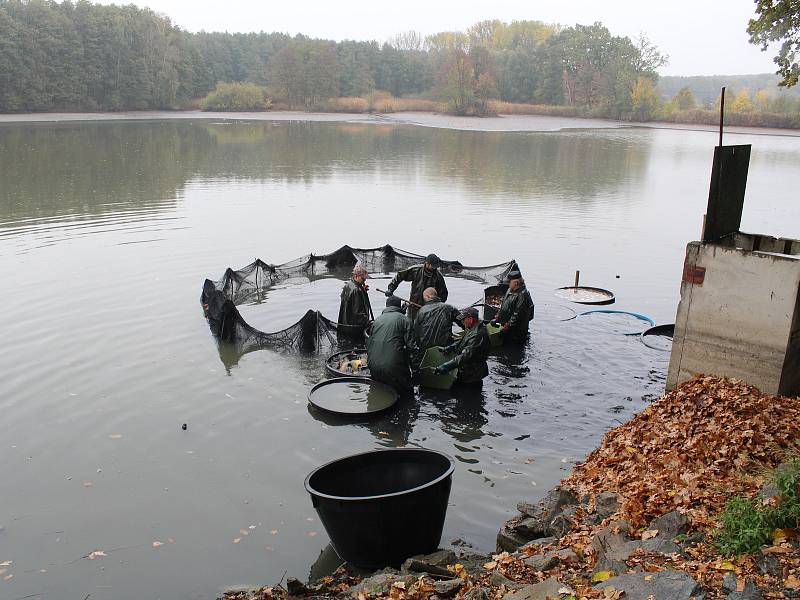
577,278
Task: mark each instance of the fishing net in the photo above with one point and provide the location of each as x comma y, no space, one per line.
313,331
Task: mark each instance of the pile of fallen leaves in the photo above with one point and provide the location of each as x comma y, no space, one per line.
691,450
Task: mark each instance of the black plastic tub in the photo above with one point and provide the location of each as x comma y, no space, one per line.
383,506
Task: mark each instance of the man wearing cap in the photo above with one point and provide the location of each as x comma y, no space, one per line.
434,323
354,309
390,346
421,277
471,351
516,310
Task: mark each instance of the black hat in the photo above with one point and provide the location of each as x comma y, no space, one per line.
393,301
514,275
470,311
433,260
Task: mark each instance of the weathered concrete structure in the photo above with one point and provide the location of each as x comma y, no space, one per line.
739,314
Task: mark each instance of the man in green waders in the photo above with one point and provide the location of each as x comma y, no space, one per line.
354,309
421,277
434,323
471,351
390,346
516,311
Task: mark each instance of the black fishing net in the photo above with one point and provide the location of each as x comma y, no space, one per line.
313,331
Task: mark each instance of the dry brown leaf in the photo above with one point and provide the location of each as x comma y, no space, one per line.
649,534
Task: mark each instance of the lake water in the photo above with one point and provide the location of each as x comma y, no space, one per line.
108,229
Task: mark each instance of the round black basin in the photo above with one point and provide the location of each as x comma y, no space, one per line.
383,506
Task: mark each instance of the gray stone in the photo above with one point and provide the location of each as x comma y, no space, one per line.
769,565
660,545
670,524
560,524
769,490
666,585
434,563
477,594
498,579
380,584
541,562
539,591
606,504
612,549
295,587
531,527
447,587
729,582
750,592
538,518
545,541
440,558
566,556
509,540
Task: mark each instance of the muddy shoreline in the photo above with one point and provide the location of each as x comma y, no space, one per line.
500,123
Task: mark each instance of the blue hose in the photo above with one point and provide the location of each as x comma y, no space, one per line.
639,316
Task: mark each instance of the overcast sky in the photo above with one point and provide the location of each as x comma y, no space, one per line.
701,37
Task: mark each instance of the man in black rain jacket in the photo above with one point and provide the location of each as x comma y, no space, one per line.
421,277
354,309
516,311
471,351
390,346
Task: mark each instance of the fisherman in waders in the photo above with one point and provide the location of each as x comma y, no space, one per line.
354,309
516,311
434,323
471,351
421,277
390,346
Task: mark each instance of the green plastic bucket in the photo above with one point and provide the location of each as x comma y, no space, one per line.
432,359
495,334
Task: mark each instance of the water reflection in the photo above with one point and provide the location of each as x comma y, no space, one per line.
91,169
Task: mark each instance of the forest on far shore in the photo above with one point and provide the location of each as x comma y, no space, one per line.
89,57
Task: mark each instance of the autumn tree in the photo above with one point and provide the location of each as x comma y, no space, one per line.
684,99
779,21
644,100
742,102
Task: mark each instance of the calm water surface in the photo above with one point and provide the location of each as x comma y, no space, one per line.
107,231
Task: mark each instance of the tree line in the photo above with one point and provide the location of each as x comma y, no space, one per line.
84,56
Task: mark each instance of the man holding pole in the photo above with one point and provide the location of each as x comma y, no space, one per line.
421,277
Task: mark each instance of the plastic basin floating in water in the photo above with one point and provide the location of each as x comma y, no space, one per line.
383,506
352,396
348,363
625,313
659,337
433,358
585,295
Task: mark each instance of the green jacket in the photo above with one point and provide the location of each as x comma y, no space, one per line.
433,325
389,348
472,351
354,307
517,311
420,279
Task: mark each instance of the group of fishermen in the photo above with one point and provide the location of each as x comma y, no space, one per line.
400,336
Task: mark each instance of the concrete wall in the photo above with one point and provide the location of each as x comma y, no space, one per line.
738,317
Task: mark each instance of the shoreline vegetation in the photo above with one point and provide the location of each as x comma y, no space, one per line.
698,496
386,104
85,57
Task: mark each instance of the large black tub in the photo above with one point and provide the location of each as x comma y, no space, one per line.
383,506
